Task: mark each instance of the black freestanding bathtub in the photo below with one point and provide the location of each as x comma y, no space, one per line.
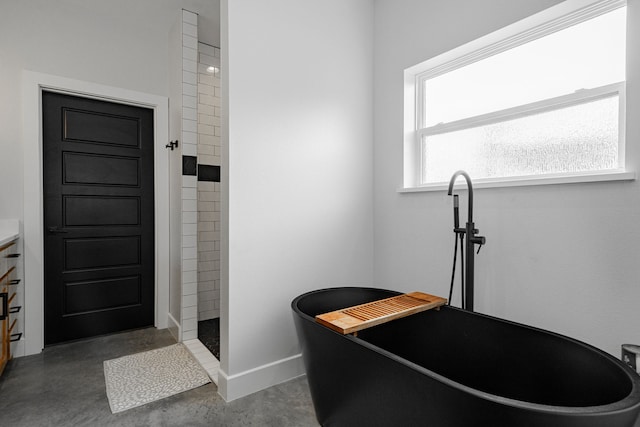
455,368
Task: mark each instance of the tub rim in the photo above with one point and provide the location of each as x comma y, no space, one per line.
629,402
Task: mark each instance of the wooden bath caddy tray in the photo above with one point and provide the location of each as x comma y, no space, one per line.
353,319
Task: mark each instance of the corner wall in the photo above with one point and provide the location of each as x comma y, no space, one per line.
559,257
299,202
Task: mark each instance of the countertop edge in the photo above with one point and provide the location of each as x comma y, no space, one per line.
9,230
6,237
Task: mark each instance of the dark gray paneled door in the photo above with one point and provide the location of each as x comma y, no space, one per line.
98,217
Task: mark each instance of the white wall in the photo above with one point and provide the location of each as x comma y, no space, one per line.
561,257
68,39
297,77
117,43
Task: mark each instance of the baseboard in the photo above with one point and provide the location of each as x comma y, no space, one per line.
173,326
232,387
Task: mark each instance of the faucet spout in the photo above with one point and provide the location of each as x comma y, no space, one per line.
469,188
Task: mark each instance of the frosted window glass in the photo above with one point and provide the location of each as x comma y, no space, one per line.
578,138
588,55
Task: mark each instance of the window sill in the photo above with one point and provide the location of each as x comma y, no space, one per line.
523,181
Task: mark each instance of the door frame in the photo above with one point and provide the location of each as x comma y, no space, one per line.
33,84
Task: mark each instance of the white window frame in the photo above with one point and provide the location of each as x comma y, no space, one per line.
556,18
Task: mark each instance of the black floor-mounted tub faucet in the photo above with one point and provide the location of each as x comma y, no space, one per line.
471,236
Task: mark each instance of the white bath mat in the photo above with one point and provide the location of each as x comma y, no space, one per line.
153,375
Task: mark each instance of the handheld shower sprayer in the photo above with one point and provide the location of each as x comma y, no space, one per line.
456,212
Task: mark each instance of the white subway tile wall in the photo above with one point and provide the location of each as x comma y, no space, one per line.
189,147
208,203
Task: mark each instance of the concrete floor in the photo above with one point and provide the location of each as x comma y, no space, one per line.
64,386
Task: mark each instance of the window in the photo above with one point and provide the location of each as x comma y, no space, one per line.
544,101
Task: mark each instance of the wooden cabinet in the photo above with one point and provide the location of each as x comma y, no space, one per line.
9,300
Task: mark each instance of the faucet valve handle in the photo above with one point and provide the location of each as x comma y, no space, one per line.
480,241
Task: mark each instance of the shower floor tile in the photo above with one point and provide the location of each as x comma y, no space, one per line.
209,335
